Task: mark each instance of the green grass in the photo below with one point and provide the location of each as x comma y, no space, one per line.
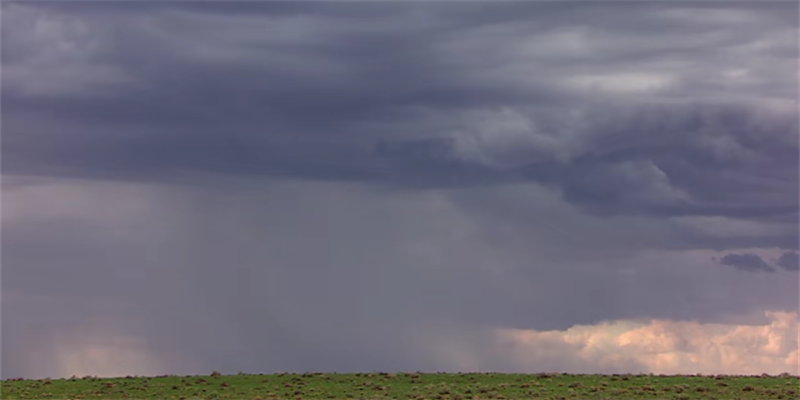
409,386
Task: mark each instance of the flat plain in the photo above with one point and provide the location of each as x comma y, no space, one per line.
409,386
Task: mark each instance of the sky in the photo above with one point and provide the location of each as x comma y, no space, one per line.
562,186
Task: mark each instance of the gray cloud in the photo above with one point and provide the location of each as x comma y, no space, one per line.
789,261
311,276
342,186
245,99
746,262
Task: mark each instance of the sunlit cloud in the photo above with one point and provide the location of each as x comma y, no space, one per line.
668,347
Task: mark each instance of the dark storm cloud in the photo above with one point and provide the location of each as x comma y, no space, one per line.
789,261
746,262
151,89
684,160
293,186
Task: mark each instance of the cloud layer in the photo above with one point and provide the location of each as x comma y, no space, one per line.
662,347
315,91
746,262
396,186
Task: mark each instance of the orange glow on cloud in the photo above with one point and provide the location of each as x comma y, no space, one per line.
104,354
670,347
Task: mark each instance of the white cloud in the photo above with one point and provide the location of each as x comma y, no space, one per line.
622,83
665,347
505,137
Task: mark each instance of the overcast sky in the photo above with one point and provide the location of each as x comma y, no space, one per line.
399,186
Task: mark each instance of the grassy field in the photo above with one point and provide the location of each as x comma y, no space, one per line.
408,386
